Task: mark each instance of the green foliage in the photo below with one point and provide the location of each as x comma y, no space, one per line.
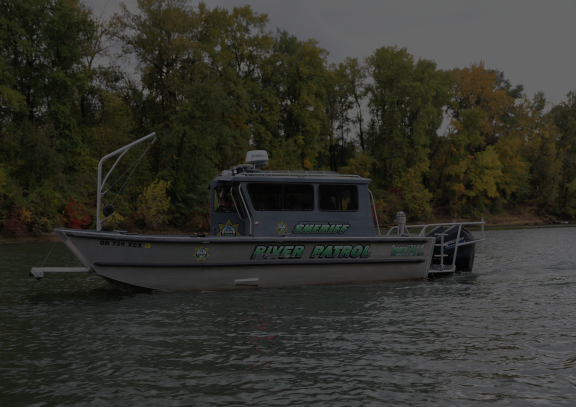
3,177
153,204
564,116
360,164
482,162
406,101
388,204
543,152
484,171
214,83
417,198
289,117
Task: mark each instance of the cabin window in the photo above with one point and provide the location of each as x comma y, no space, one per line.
282,197
223,201
298,197
338,197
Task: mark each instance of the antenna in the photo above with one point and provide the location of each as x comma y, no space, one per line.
258,158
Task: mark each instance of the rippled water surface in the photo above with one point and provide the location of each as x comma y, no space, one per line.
503,335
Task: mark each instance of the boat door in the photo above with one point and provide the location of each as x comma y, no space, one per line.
225,219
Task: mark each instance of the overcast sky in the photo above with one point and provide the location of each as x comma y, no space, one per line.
532,42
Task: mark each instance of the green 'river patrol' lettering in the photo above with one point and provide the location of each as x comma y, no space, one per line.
340,252
277,252
360,251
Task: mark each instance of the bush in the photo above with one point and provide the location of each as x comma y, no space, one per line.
153,204
417,198
75,216
359,164
16,221
388,203
200,219
13,228
113,222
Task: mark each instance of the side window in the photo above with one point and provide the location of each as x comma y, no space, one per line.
298,197
223,201
338,197
282,197
266,197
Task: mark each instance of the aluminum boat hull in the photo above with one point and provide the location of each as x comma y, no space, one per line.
181,263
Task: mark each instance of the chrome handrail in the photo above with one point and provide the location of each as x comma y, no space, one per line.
375,213
246,207
424,227
443,245
236,205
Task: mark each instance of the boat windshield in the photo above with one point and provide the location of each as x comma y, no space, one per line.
282,197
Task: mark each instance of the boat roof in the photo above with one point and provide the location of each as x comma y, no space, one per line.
290,176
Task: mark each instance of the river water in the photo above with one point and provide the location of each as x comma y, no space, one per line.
503,335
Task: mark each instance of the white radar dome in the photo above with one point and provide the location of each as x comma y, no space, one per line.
258,158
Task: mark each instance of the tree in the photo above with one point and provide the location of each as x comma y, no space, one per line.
406,101
292,123
564,116
545,157
338,105
198,68
483,157
42,78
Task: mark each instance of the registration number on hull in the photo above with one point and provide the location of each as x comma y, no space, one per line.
125,244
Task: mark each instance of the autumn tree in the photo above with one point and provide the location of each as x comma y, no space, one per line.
482,157
215,82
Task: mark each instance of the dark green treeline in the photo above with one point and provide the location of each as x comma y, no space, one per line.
214,83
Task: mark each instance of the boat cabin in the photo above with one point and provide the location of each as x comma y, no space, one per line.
247,201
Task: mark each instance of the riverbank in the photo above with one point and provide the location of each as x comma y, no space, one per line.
519,219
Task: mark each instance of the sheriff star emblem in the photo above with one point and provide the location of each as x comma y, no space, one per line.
201,253
228,229
281,228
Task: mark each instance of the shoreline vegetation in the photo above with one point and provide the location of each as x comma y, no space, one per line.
214,83
518,220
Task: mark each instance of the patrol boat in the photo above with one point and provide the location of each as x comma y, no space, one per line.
271,229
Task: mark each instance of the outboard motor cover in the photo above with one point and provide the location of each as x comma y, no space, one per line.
464,255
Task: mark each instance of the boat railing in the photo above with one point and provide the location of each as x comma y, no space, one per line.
286,173
373,205
403,230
